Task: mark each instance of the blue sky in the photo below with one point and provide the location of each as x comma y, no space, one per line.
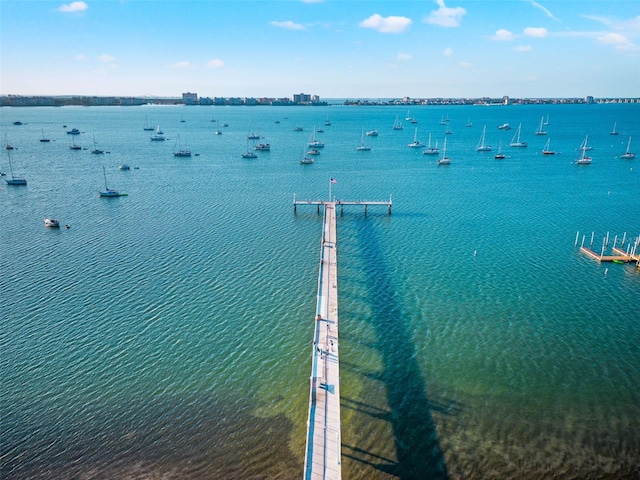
332,48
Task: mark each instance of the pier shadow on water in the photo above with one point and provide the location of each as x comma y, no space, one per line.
408,410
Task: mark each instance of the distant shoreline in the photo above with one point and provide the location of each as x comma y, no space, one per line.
90,101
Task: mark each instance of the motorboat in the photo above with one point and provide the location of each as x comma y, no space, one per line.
51,223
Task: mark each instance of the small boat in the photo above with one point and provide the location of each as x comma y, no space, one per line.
431,150
415,143
158,135
546,150
313,151
447,131
182,120
14,180
584,146
499,155
298,128
397,125
372,133
262,147
306,160
51,223
96,150
6,143
73,145
469,123
146,125
504,126
124,166
313,142
540,131
515,141
444,121
253,136
108,192
546,122
362,147
444,160
628,154
224,124
584,160
249,154
75,131
44,139
327,122
17,122
218,132
408,118
482,147
614,131
181,152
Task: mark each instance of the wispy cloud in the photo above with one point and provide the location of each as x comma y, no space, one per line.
386,25
106,58
215,63
80,57
523,48
537,32
180,65
73,7
404,57
503,35
448,52
620,42
545,10
466,64
445,16
288,25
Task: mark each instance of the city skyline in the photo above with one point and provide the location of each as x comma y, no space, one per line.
335,49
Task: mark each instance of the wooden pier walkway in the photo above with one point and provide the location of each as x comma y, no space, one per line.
342,203
323,449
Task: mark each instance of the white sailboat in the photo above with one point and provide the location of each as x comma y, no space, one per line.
146,126
540,131
397,125
628,154
547,150
362,147
499,155
109,192
482,147
96,150
249,153
158,136
431,150
444,160
14,180
614,131
415,143
515,141
181,152
314,142
584,160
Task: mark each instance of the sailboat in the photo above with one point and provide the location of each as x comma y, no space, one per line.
146,126
515,141
499,155
43,139
614,131
108,192
444,160
14,180
546,122
249,153
158,136
362,147
415,143
469,123
73,145
584,160
313,142
397,125
546,150
180,152
7,146
482,147
628,154
96,150
431,150
540,131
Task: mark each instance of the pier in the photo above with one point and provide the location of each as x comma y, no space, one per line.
617,254
343,203
323,446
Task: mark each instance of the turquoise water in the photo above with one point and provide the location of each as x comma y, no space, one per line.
168,332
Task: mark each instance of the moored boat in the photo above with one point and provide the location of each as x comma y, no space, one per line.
51,223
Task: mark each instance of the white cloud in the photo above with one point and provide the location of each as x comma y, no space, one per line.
448,52
466,64
620,42
215,63
183,64
107,58
73,7
445,16
537,32
404,57
288,25
523,48
545,10
80,57
386,25
503,35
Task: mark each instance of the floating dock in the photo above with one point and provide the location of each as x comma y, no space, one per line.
323,447
617,254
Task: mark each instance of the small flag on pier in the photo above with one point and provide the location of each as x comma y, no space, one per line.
333,180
